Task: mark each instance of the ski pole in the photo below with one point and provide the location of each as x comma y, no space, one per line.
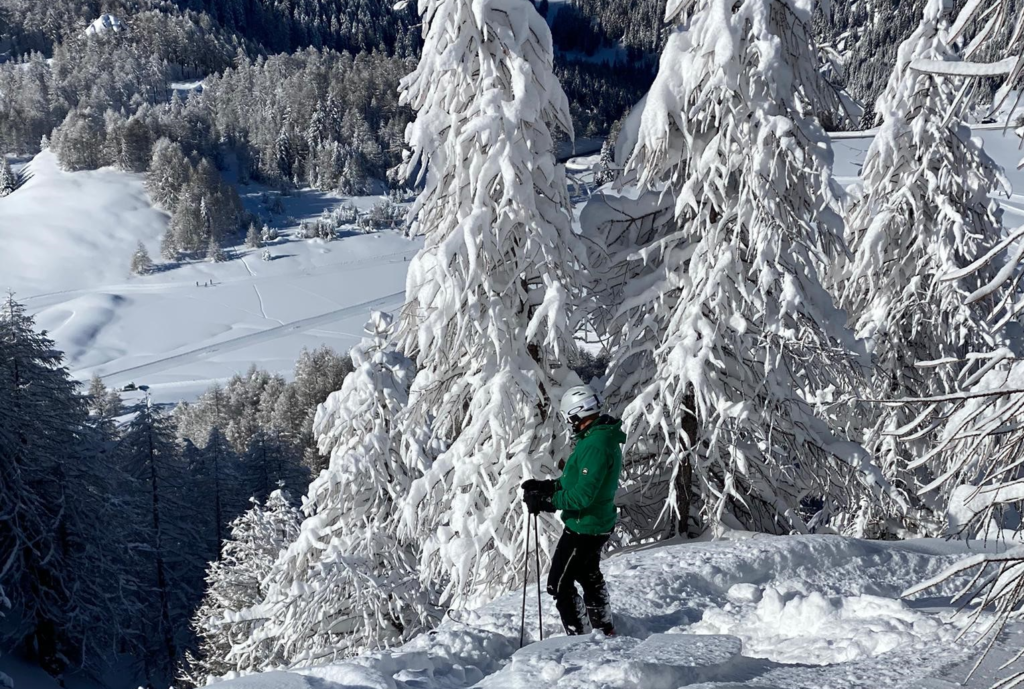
526,574
536,550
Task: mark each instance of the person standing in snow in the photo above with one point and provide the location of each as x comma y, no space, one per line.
585,493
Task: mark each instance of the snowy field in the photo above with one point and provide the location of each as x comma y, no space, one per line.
807,612
67,242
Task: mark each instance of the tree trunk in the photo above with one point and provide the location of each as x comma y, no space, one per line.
161,575
684,476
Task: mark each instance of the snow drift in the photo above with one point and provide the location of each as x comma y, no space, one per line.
792,611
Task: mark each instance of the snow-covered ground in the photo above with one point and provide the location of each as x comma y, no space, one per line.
762,612
67,241
819,612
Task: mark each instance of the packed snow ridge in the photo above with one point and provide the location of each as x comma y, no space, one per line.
761,611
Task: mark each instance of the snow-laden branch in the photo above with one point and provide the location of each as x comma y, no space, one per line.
965,69
488,316
729,352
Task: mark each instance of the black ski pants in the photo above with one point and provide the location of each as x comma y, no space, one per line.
577,560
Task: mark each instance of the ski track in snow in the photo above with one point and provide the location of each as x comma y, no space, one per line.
796,612
263,310
117,378
42,300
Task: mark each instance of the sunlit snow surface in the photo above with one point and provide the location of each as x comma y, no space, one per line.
768,612
67,241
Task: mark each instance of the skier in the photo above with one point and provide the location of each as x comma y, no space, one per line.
586,495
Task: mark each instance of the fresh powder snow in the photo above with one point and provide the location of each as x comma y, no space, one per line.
747,611
69,238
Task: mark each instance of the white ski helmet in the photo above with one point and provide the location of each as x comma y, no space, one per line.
578,403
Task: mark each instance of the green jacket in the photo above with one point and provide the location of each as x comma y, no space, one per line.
591,478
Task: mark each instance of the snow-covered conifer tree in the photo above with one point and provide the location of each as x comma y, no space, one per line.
734,329
62,529
988,29
218,491
348,582
141,262
214,251
169,171
924,213
977,431
488,296
235,582
173,567
104,406
271,461
7,178
253,240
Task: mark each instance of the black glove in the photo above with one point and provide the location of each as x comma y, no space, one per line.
537,502
549,487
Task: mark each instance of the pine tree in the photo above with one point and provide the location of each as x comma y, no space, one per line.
253,240
149,453
924,214
214,252
348,582
141,262
234,582
488,298
8,181
65,550
168,174
270,462
724,349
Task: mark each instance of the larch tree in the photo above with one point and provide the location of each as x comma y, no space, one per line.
8,179
105,405
219,487
63,542
977,431
270,461
487,312
348,581
168,174
924,213
141,262
731,350
149,453
234,582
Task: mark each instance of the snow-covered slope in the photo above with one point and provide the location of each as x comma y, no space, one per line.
768,612
65,231
67,240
